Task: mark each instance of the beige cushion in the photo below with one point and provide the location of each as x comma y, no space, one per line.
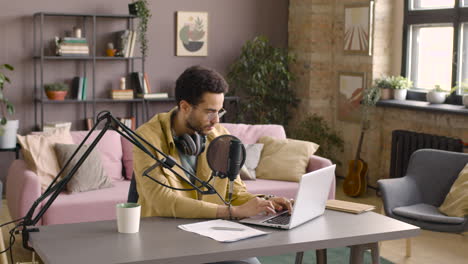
456,201
284,159
90,175
38,152
252,157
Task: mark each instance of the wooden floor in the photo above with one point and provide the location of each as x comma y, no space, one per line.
428,248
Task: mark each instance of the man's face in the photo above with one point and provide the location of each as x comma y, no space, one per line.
204,116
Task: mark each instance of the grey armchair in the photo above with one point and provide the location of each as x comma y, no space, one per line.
415,198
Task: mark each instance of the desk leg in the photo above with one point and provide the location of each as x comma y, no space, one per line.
321,256
357,253
299,257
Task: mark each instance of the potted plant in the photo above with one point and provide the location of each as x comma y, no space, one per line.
56,91
438,95
385,86
262,78
8,128
140,8
400,86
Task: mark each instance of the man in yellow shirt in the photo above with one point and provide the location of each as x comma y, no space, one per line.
199,95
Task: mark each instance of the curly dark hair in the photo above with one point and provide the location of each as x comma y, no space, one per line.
197,80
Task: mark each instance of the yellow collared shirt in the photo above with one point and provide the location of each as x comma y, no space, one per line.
157,200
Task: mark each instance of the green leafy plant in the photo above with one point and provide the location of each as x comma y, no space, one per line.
56,87
315,129
383,83
6,107
400,82
143,12
262,79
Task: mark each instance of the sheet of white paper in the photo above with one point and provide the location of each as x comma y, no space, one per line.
222,230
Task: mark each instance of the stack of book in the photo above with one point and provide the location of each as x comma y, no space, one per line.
122,94
140,83
126,43
79,87
53,125
69,46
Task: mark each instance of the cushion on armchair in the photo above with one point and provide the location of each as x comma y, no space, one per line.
252,153
426,212
456,201
284,159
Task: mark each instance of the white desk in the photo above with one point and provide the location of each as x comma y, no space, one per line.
160,241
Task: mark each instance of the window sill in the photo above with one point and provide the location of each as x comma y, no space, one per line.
424,106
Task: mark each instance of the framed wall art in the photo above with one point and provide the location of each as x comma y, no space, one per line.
192,34
351,87
358,28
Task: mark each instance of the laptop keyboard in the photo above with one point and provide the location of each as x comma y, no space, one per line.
282,219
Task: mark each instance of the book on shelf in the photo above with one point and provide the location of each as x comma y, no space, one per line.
89,122
49,126
153,95
78,88
85,87
71,46
132,43
146,84
122,94
349,207
129,122
137,82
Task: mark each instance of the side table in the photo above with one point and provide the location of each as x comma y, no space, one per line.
16,150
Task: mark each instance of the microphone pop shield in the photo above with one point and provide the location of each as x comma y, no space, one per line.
225,156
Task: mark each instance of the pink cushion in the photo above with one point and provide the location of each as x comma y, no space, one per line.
110,148
277,188
97,205
127,158
249,134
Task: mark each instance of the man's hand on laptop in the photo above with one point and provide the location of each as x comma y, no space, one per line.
253,207
281,204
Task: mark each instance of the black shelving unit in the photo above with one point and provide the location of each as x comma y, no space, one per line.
39,58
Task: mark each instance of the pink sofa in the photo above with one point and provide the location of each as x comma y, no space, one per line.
23,186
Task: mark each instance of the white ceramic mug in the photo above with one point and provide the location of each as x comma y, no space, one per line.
128,217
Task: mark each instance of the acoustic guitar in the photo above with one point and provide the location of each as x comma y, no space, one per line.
355,183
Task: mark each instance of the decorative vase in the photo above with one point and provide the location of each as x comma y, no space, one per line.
8,134
400,94
56,95
434,97
465,100
386,94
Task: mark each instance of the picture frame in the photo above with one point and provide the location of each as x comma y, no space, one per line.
358,28
351,86
192,34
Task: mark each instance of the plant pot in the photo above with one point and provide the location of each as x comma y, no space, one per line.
434,97
56,95
132,9
8,134
465,100
400,94
386,94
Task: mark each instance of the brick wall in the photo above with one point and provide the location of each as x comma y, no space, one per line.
316,37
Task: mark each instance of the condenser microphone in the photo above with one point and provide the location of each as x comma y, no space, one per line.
225,156
236,159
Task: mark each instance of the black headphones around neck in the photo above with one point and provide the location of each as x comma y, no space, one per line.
191,144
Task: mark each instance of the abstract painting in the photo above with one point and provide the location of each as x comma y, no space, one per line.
192,34
358,28
351,87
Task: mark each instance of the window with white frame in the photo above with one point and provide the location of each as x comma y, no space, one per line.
435,44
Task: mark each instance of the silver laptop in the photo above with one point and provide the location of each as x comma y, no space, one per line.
311,198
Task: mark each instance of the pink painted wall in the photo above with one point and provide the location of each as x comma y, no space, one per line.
231,23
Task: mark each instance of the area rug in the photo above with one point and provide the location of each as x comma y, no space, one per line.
334,256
